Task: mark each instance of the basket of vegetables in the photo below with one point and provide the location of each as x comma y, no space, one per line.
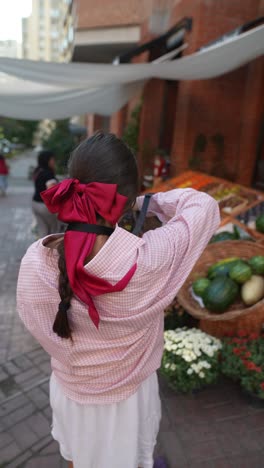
226,284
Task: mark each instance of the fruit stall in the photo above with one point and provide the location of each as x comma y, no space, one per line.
215,326
225,290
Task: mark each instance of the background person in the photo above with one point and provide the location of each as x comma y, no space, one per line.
4,171
94,299
44,178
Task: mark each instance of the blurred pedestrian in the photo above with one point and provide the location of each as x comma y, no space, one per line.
4,171
44,177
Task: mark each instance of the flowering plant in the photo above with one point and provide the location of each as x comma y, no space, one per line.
191,359
243,361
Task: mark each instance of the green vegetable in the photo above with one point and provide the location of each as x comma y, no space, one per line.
236,232
223,236
222,267
221,293
240,272
257,264
253,290
200,286
241,234
260,223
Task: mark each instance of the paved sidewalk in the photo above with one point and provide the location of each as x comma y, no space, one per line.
24,367
216,428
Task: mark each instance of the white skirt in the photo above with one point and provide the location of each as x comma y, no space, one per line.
120,435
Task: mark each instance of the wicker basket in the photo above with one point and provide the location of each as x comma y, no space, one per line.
237,315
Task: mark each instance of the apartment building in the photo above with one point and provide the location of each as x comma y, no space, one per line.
9,48
47,34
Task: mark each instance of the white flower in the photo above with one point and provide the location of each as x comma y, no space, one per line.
192,344
190,371
168,348
173,367
167,365
188,345
187,358
202,375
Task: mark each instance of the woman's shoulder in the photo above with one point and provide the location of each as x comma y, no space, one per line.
43,251
38,275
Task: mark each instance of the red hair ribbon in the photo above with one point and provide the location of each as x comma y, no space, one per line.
76,202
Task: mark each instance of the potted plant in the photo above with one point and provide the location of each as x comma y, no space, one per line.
243,361
191,359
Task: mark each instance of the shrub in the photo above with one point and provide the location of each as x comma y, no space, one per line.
243,361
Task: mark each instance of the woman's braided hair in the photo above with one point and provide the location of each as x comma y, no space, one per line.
61,324
101,158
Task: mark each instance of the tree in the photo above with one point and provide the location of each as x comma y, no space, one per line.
131,132
62,142
19,131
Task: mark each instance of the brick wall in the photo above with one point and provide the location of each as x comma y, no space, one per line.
106,13
224,113
216,121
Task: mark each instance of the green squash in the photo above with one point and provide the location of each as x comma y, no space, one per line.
260,223
240,272
223,236
200,286
222,268
220,294
257,264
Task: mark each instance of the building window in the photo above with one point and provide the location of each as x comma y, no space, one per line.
70,34
54,34
54,46
55,13
42,45
42,33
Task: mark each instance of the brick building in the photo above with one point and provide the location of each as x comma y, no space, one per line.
215,125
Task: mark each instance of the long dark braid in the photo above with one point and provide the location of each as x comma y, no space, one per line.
61,324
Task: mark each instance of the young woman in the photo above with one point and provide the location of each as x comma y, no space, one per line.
44,178
94,299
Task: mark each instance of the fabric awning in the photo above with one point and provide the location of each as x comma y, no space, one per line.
37,90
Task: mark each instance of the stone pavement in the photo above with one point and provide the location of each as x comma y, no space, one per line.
216,428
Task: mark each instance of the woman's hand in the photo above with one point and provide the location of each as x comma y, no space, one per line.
135,206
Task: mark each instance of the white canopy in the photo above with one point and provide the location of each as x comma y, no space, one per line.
37,90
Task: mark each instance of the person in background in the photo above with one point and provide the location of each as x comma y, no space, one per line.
44,178
94,298
4,171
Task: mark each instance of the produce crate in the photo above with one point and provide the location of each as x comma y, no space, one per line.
235,227
233,199
248,219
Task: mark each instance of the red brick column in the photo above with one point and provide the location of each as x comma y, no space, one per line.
150,122
118,121
93,123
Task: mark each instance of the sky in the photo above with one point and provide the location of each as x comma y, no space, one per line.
11,13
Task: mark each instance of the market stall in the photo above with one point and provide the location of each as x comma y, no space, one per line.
194,358
240,238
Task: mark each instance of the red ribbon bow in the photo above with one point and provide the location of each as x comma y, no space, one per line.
76,202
